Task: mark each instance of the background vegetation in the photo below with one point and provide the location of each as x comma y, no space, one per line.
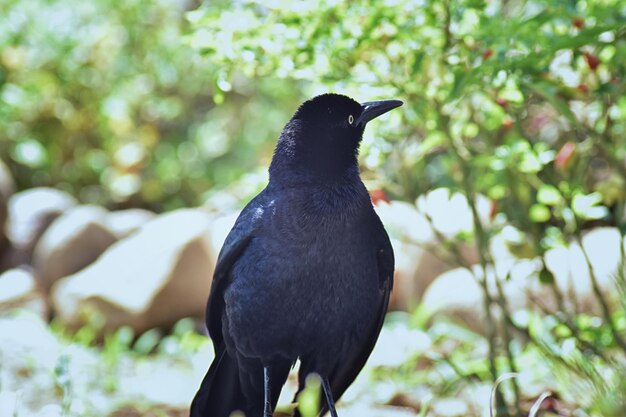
158,104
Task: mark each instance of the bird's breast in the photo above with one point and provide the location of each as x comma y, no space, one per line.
302,283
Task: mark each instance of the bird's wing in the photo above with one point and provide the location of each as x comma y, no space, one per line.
349,367
220,391
237,240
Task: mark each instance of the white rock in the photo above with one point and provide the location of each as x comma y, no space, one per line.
398,344
457,294
414,242
454,293
7,187
31,208
220,227
125,222
571,271
415,268
403,220
73,241
152,278
30,213
449,211
18,289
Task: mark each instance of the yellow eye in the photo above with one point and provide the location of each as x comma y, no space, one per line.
350,119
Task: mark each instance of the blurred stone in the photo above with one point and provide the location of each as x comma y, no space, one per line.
407,289
152,278
30,213
449,212
572,275
415,244
449,407
404,220
18,290
415,266
7,187
125,222
456,293
398,344
73,241
220,227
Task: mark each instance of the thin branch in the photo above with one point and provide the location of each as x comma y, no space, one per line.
604,306
506,317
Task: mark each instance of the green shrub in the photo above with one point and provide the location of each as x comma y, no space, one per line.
104,100
521,101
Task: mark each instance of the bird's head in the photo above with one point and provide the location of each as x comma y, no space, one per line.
323,136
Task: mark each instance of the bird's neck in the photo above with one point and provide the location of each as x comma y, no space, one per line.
312,160
323,198
286,174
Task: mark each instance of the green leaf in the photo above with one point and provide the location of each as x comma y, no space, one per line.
546,276
539,213
549,195
147,341
530,164
309,398
586,206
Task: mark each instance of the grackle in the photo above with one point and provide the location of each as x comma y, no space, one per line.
306,271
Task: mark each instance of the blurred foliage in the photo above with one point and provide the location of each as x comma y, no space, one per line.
309,398
105,101
523,101
519,101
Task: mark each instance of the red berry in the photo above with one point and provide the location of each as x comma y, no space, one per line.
507,123
583,88
502,102
379,195
592,61
488,53
578,23
493,209
565,154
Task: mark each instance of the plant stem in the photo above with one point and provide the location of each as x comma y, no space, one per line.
506,318
483,253
571,327
604,306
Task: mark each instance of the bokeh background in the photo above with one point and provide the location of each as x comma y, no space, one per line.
132,133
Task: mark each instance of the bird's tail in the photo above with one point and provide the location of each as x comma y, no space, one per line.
220,392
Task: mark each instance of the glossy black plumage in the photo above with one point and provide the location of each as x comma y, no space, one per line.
306,271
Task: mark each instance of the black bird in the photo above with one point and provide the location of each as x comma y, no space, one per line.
306,271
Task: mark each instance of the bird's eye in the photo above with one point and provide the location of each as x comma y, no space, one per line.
350,119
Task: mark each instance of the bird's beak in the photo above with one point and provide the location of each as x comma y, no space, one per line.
373,109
